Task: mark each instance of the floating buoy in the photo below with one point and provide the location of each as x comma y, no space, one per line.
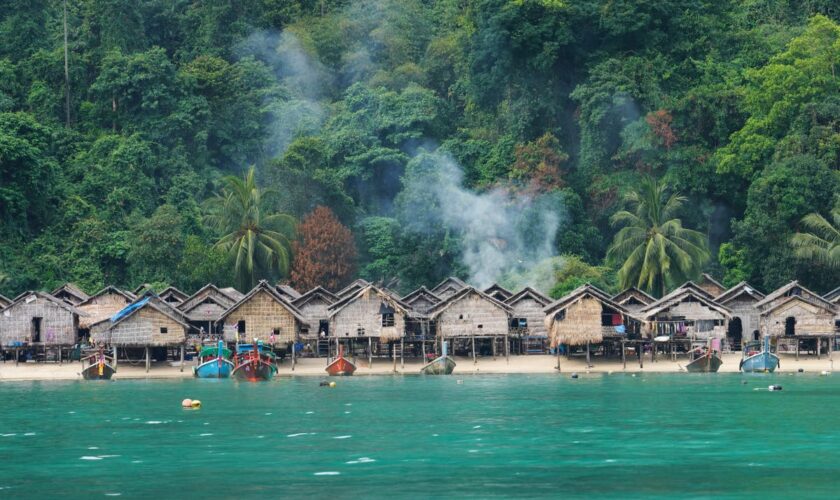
332,384
774,388
196,404
825,373
574,375
744,382
324,383
187,403
459,382
800,370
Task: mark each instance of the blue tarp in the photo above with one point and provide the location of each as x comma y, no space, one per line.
129,309
619,329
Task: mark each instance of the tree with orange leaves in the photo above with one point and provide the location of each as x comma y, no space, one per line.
324,254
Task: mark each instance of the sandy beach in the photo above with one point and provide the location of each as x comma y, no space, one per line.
314,367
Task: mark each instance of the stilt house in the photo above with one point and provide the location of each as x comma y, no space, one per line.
262,314
38,318
741,299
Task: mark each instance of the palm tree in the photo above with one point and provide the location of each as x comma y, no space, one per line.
822,244
257,240
652,247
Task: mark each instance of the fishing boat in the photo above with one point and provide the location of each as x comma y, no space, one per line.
705,358
100,366
758,358
341,366
214,362
442,365
253,363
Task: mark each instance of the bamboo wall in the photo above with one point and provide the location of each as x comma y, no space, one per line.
422,304
58,325
315,310
101,307
531,310
744,307
262,314
810,319
141,329
364,313
470,315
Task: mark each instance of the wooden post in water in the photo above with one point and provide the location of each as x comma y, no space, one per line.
148,360
182,357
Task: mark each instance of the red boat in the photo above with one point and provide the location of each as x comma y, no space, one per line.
341,366
253,364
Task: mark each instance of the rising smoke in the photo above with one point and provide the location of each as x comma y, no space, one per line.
503,234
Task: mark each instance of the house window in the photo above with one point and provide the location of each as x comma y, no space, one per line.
360,332
388,319
164,329
276,332
240,327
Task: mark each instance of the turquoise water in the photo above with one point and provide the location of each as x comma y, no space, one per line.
488,436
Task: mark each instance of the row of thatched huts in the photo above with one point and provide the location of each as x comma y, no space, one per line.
364,313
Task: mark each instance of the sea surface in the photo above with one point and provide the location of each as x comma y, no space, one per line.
619,436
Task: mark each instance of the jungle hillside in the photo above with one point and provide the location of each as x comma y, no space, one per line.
526,142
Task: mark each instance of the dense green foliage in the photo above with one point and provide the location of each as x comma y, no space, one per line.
736,105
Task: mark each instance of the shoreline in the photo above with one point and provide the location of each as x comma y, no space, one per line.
314,367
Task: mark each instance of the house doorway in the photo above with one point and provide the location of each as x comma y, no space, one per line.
735,334
36,330
790,326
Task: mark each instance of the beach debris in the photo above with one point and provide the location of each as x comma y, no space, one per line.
825,373
574,375
801,370
774,387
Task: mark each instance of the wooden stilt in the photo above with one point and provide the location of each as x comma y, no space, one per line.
115,357
183,348
797,348
819,346
493,341
370,352
557,351
641,355
394,355
475,361
423,349
17,355
507,349
148,360
59,354
588,359
402,355
623,355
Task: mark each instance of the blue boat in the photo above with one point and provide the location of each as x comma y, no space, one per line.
214,362
757,357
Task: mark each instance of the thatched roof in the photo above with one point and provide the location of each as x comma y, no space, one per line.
211,292
142,288
232,293
415,299
385,295
682,294
833,295
4,301
263,286
317,292
633,293
711,285
45,296
793,288
173,295
575,318
820,304
449,286
108,290
528,293
287,292
445,304
146,301
70,290
742,288
355,286
498,292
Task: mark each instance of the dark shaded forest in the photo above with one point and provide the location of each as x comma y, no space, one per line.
495,140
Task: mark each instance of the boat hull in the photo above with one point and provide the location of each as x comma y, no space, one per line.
341,367
254,371
93,372
763,362
214,369
440,366
705,364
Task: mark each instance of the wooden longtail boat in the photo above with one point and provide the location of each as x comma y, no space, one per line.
253,364
341,366
758,358
705,359
442,365
100,366
214,362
